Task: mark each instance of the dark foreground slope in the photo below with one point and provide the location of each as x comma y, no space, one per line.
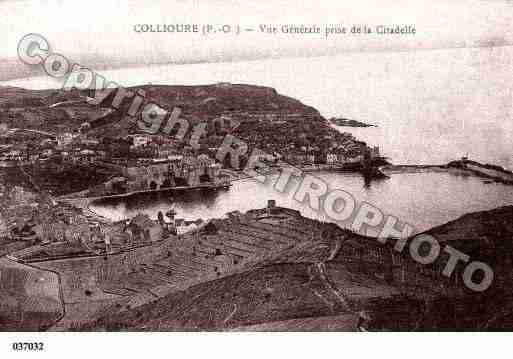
356,283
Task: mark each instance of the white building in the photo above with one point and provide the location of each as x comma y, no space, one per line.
64,139
331,158
140,140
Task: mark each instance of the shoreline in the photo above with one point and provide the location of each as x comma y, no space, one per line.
208,186
478,170
273,170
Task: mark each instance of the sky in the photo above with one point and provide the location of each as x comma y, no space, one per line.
101,32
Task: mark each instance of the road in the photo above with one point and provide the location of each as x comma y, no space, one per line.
33,131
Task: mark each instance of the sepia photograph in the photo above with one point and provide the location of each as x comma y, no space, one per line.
240,166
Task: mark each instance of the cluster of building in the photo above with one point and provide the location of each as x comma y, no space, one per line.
182,171
67,232
16,208
303,139
30,146
27,219
16,148
334,156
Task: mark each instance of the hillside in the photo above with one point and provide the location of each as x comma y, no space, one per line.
353,283
268,268
268,120
281,126
483,233
202,102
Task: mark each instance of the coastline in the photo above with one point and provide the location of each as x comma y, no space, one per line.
383,172
387,170
479,171
393,169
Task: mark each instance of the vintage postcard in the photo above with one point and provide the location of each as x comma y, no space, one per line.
255,166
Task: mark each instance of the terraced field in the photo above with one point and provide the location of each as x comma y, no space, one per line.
234,244
92,284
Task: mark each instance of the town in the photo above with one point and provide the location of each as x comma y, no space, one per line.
58,153
55,147
96,156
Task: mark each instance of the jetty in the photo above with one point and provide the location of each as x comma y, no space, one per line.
493,172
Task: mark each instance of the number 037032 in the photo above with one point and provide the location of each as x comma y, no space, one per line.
28,346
